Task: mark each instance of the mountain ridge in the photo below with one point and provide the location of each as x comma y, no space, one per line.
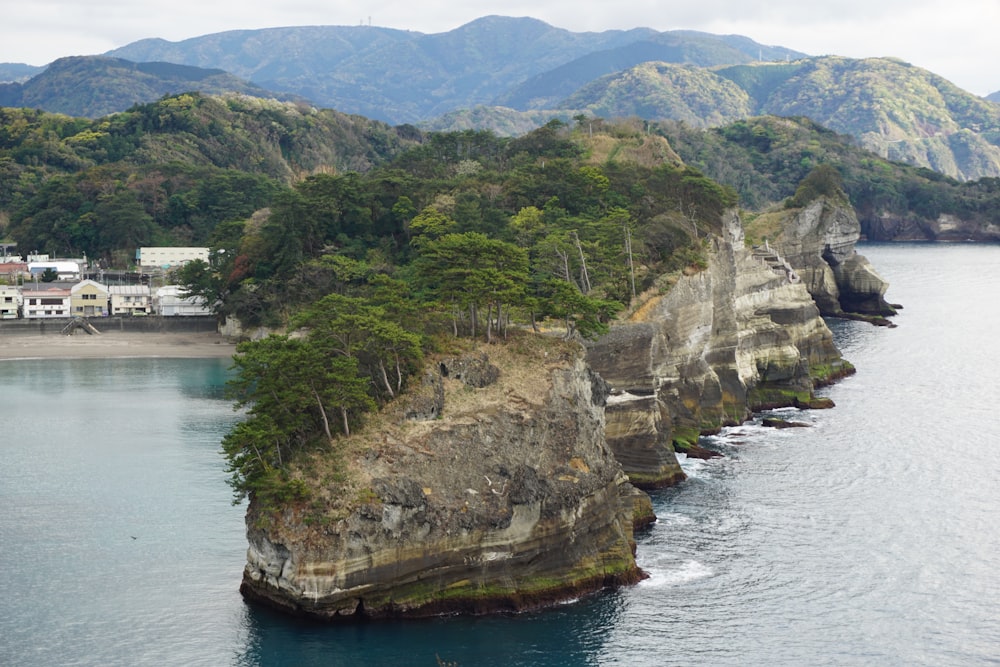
520,72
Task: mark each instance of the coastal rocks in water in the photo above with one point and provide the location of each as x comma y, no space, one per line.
510,499
882,226
818,241
736,337
775,422
640,442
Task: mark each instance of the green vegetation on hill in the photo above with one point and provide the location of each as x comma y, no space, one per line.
169,172
894,109
467,235
765,159
408,77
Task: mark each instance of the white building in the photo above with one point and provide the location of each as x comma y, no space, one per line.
11,301
166,258
66,269
131,300
170,302
48,300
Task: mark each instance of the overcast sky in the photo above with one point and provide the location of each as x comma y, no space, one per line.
957,39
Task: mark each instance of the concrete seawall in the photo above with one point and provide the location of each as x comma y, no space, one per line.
150,324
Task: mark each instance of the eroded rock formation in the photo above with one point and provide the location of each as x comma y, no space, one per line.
818,241
497,492
501,482
743,334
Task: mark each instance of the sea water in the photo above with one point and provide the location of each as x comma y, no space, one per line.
870,537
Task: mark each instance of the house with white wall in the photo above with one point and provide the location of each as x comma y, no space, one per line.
170,302
47,300
11,301
131,300
66,269
167,258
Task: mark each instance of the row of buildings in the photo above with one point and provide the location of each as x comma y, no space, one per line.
23,295
89,298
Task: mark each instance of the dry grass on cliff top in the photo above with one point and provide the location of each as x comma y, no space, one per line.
343,475
767,225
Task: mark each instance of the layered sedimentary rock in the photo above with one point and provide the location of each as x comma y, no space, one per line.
740,335
818,241
496,490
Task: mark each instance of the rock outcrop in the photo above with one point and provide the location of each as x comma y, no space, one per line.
818,241
742,334
502,496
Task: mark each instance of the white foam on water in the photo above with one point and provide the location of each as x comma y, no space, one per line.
664,574
673,519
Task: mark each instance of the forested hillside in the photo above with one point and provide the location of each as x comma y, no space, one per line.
511,75
167,173
765,159
894,109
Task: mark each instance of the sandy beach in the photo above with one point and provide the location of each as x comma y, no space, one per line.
115,344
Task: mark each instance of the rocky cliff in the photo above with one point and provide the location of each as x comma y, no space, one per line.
818,242
740,335
503,482
946,227
491,488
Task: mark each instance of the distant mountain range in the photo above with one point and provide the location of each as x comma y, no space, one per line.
95,86
513,74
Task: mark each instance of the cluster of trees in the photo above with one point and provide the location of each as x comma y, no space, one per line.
468,235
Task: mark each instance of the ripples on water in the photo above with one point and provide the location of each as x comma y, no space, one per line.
870,538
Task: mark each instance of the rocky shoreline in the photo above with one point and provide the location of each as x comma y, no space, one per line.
508,480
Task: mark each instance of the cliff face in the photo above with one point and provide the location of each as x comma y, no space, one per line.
885,227
742,334
818,241
500,497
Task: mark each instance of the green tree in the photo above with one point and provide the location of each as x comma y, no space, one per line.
289,387
352,328
472,271
581,314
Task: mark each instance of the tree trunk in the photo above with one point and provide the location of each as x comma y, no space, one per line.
343,415
564,256
489,322
385,379
631,266
322,414
399,373
584,276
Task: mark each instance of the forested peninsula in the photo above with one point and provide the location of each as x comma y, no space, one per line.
463,355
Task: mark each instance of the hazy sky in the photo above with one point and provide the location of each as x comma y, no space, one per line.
957,39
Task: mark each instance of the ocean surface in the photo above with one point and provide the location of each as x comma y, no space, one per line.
872,537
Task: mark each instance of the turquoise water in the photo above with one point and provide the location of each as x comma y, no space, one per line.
871,538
